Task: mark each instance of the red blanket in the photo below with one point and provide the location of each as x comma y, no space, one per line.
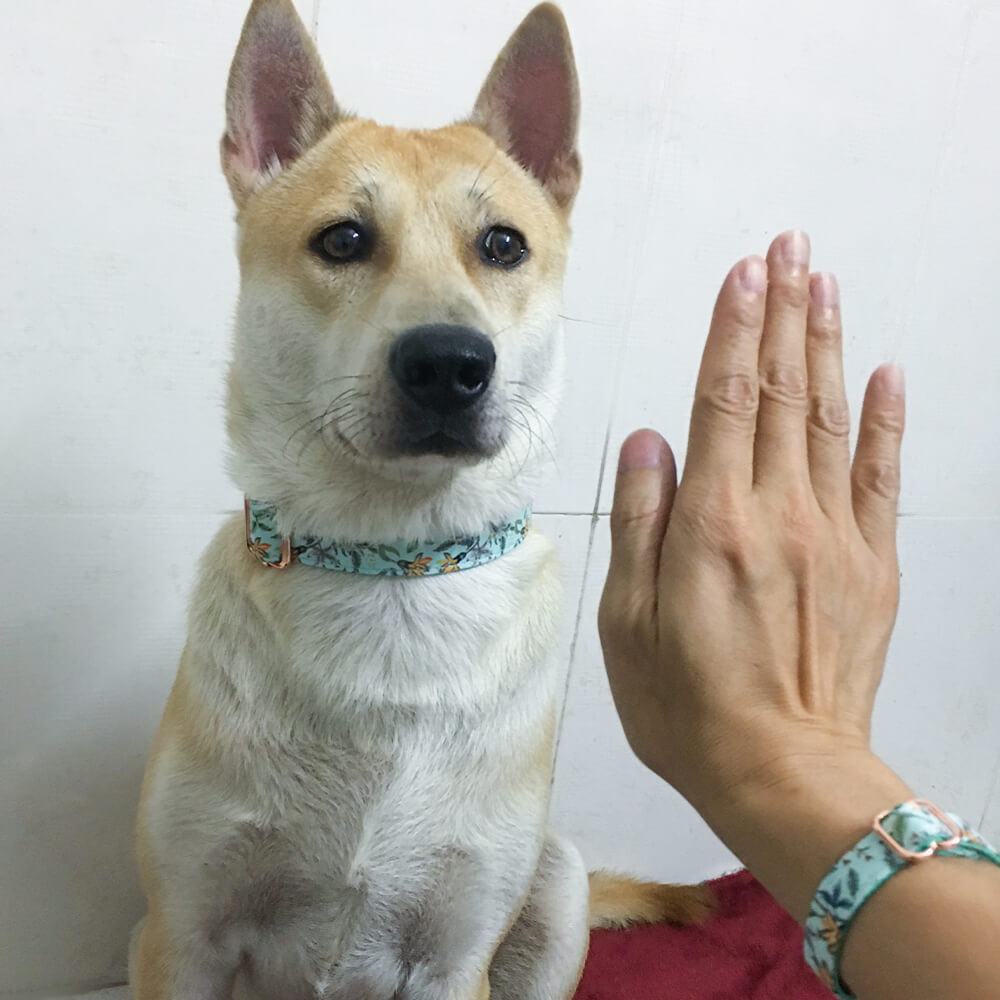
750,949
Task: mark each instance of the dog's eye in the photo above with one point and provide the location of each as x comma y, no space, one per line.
341,242
503,246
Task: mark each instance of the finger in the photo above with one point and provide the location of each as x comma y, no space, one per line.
875,475
780,453
724,413
828,425
644,494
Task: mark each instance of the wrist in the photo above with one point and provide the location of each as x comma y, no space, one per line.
789,822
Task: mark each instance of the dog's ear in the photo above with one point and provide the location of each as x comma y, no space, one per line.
530,103
278,103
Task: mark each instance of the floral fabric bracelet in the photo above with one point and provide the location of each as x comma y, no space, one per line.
906,835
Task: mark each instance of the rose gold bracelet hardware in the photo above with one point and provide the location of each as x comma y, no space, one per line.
933,847
258,551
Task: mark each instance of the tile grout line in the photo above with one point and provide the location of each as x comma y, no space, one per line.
571,658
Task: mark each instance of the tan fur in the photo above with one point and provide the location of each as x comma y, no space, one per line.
421,173
621,901
484,989
150,958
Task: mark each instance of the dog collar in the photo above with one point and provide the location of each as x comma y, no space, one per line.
400,558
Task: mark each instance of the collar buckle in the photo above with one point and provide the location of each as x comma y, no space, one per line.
259,551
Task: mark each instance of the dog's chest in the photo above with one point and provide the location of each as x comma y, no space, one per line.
380,742
454,641
407,813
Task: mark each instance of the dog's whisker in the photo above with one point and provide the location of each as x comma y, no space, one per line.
475,192
344,427
503,330
535,420
338,378
375,326
294,416
548,438
298,431
518,422
340,406
312,420
531,388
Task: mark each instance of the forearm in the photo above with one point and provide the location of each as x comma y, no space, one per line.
932,930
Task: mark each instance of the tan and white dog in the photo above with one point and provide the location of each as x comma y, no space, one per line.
347,796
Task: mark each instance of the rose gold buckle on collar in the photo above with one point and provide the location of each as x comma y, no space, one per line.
933,847
258,551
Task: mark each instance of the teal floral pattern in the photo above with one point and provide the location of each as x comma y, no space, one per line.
860,872
400,558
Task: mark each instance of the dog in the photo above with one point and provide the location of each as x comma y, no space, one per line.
347,795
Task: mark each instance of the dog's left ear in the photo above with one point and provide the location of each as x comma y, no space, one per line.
530,103
278,102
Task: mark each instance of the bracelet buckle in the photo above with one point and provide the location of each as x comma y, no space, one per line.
954,830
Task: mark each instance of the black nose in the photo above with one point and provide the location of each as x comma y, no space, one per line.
445,368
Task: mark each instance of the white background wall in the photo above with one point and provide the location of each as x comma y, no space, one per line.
708,127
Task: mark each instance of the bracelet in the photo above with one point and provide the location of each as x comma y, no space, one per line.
906,835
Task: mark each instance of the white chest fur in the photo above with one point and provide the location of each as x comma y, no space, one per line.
363,743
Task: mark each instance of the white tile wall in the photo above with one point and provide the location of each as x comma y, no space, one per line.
707,128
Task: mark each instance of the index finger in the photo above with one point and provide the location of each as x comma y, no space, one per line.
724,414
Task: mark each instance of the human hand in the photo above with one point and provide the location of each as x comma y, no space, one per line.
747,611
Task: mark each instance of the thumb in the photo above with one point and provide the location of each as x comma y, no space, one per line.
644,494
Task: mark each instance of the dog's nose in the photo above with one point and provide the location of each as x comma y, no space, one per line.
442,367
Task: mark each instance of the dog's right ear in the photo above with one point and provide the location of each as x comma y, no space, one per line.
530,103
279,101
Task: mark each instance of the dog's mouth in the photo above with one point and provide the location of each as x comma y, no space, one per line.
442,444
471,443
464,442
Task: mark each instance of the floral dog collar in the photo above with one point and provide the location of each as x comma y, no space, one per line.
400,558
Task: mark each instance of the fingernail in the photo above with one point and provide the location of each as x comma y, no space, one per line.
795,250
752,274
893,380
824,291
641,450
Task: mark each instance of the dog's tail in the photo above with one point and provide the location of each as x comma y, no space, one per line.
620,901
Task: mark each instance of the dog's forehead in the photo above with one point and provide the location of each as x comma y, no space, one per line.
361,164
418,160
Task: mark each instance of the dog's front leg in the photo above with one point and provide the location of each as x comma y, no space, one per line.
542,956
425,984
390,979
196,970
